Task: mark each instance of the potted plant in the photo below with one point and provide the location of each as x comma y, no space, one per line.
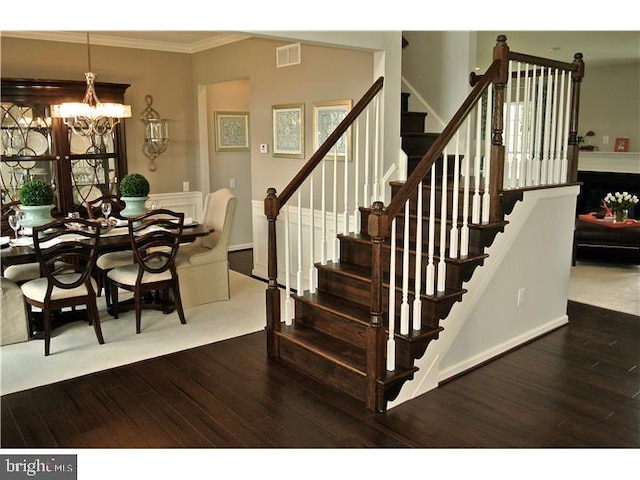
134,192
36,199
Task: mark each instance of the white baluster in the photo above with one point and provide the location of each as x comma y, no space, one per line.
312,238
376,157
367,160
538,146
417,302
453,233
565,142
345,212
336,241
464,231
288,303
552,133
518,136
430,276
356,176
527,148
509,147
323,213
486,197
299,286
404,307
442,265
475,210
391,344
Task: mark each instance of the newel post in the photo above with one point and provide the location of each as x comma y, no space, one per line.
573,149
496,169
376,351
271,210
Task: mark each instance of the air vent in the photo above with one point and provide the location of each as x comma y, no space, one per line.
288,55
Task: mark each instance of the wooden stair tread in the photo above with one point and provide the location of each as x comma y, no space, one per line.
336,351
366,239
364,274
337,305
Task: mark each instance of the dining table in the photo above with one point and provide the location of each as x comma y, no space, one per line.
113,239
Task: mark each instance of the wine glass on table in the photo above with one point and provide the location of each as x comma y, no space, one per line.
106,209
15,222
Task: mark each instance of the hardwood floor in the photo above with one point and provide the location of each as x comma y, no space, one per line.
578,386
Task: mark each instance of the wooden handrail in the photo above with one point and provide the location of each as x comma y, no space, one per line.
328,144
543,62
399,199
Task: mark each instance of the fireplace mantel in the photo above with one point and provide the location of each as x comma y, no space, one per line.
609,162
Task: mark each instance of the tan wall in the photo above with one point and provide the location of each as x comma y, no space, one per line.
610,105
166,76
324,74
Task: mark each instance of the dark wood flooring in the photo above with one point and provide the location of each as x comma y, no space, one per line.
578,386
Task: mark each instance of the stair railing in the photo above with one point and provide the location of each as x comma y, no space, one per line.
327,196
534,103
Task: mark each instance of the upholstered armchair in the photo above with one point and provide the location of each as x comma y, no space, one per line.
203,266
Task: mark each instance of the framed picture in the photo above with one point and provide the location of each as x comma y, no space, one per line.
288,130
232,131
621,145
326,117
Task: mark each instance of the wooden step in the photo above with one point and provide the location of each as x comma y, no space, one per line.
412,122
356,249
353,282
417,143
480,235
335,363
333,316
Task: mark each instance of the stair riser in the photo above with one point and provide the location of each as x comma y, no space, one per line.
358,290
426,201
418,144
329,373
476,241
359,253
412,122
330,323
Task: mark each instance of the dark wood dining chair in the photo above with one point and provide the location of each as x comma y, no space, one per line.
155,237
16,273
109,260
62,245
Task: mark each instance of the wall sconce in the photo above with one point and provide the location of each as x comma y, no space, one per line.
156,134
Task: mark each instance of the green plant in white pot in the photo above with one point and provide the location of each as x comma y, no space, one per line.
36,201
134,192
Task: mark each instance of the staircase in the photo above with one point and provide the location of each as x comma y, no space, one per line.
415,141
351,330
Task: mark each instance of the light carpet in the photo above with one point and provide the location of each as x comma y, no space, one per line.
75,350
614,287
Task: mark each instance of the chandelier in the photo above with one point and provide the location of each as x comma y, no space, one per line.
90,117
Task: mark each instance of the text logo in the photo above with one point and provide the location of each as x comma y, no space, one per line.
46,467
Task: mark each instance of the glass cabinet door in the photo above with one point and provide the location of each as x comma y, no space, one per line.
34,145
27,147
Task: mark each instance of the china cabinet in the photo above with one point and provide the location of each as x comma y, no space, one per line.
35,145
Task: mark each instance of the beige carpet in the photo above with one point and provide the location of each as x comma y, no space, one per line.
75,350
614,287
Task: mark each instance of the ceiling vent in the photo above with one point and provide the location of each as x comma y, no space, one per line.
288,55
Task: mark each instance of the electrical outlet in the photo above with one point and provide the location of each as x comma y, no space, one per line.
232,183
521,292
605,139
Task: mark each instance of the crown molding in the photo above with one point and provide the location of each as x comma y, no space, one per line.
216,40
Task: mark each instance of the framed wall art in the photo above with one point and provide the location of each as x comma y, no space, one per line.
621,145
326,117
232,131
288,130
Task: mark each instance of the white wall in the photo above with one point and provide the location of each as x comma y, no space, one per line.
437,66
534,254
